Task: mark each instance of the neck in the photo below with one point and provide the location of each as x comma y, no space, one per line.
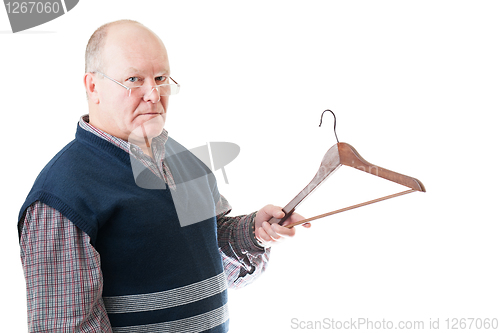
146,144
143,142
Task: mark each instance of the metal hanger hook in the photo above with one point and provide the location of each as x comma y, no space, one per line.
334,123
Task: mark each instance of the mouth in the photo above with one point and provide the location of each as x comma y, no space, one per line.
150,114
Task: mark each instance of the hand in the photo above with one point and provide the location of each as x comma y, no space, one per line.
268,234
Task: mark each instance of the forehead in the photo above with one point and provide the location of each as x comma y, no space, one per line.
132,47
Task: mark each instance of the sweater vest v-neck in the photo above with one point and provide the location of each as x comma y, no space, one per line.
160,275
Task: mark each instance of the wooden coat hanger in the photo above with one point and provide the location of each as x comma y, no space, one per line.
344,154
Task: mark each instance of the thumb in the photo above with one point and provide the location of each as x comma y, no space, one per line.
269,211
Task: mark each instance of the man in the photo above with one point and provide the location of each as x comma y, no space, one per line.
107,233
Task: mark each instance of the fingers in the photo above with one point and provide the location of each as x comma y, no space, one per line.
277,230
296,218
273,211
266,213
269,234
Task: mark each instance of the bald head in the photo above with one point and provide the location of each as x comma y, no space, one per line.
127,29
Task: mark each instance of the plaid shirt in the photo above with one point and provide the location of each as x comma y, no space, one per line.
63,276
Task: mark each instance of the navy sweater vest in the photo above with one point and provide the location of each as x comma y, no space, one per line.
159,276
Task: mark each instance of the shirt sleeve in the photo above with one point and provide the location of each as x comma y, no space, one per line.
63,274
243,258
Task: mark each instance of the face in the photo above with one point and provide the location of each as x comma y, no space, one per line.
131,54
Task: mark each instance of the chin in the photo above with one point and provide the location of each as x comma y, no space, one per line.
150,126
154,126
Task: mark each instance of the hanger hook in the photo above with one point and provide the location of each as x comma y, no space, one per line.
334,123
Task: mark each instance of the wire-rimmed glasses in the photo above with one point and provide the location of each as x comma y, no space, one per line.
137,89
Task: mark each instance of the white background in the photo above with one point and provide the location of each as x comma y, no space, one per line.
414,85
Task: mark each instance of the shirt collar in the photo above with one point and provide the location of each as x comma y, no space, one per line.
128,147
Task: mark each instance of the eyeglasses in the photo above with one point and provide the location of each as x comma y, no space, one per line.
138,89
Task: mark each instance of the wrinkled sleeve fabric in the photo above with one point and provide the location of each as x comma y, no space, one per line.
243,258
63,275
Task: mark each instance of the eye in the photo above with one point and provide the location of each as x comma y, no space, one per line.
161,79
133,79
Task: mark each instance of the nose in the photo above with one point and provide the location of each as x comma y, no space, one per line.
152,95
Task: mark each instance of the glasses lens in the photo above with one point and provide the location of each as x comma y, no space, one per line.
163,90
168,89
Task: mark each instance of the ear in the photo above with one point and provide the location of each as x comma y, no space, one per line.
90,87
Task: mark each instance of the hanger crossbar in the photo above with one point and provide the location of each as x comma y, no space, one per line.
349,208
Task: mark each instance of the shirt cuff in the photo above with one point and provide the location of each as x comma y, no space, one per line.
250,242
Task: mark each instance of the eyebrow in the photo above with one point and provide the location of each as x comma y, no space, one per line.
135,70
